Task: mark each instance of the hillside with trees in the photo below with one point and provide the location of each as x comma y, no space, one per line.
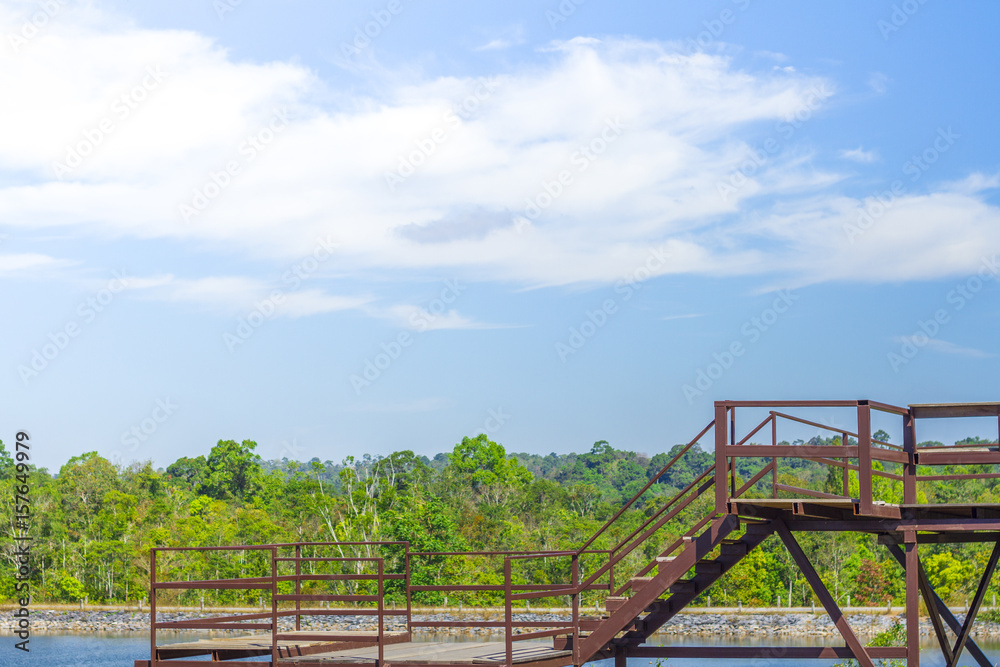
94,522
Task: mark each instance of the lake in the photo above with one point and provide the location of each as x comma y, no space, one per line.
108,650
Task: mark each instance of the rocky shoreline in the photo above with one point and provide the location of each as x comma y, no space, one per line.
701,623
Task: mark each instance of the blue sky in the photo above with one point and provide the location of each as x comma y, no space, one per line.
358,227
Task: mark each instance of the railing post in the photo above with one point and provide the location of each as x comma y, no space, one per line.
381,614
409,607
721,439
611,572
508,615
865,457
910,469
576,609
912,565
298,584
152,606
274,605
847,471
732,461
774,459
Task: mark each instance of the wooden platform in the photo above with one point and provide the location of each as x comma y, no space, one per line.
537,654
260,645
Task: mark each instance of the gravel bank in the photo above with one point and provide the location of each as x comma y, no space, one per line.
691,624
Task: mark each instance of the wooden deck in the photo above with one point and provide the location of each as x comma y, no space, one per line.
537,654
234,648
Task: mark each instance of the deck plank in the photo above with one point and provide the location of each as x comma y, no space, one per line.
258,643
438,653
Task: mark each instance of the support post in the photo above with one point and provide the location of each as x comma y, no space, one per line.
409,603
274,606
721,469
865,457
910,469
152,606
576,609
381,613
799,556
298,584
508,616
846,469
774,459
912,601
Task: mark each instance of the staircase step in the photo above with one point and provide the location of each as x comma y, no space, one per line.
639,582
757,527
684,586
734,548
612,604
708,567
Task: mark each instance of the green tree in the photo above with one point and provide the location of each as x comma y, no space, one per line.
232,470
7,468
483,465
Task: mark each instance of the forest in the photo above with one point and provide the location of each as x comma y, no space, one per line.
93,523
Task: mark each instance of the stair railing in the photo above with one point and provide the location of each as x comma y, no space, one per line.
658,520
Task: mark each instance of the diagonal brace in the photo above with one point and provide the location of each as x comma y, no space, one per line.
799,556
977,601
932,599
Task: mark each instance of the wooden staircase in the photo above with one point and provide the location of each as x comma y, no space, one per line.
631,620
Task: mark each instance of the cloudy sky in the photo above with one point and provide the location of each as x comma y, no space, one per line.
339,228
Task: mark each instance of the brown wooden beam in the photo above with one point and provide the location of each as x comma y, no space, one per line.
853,643
944,538
912,603
865,457
760,652
977,601
931,598
934,411
721,469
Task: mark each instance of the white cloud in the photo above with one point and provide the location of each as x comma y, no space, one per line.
859,155
22,263
235,294
944,347
418,318
430,404
684,124
682,317
878,82
513,36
